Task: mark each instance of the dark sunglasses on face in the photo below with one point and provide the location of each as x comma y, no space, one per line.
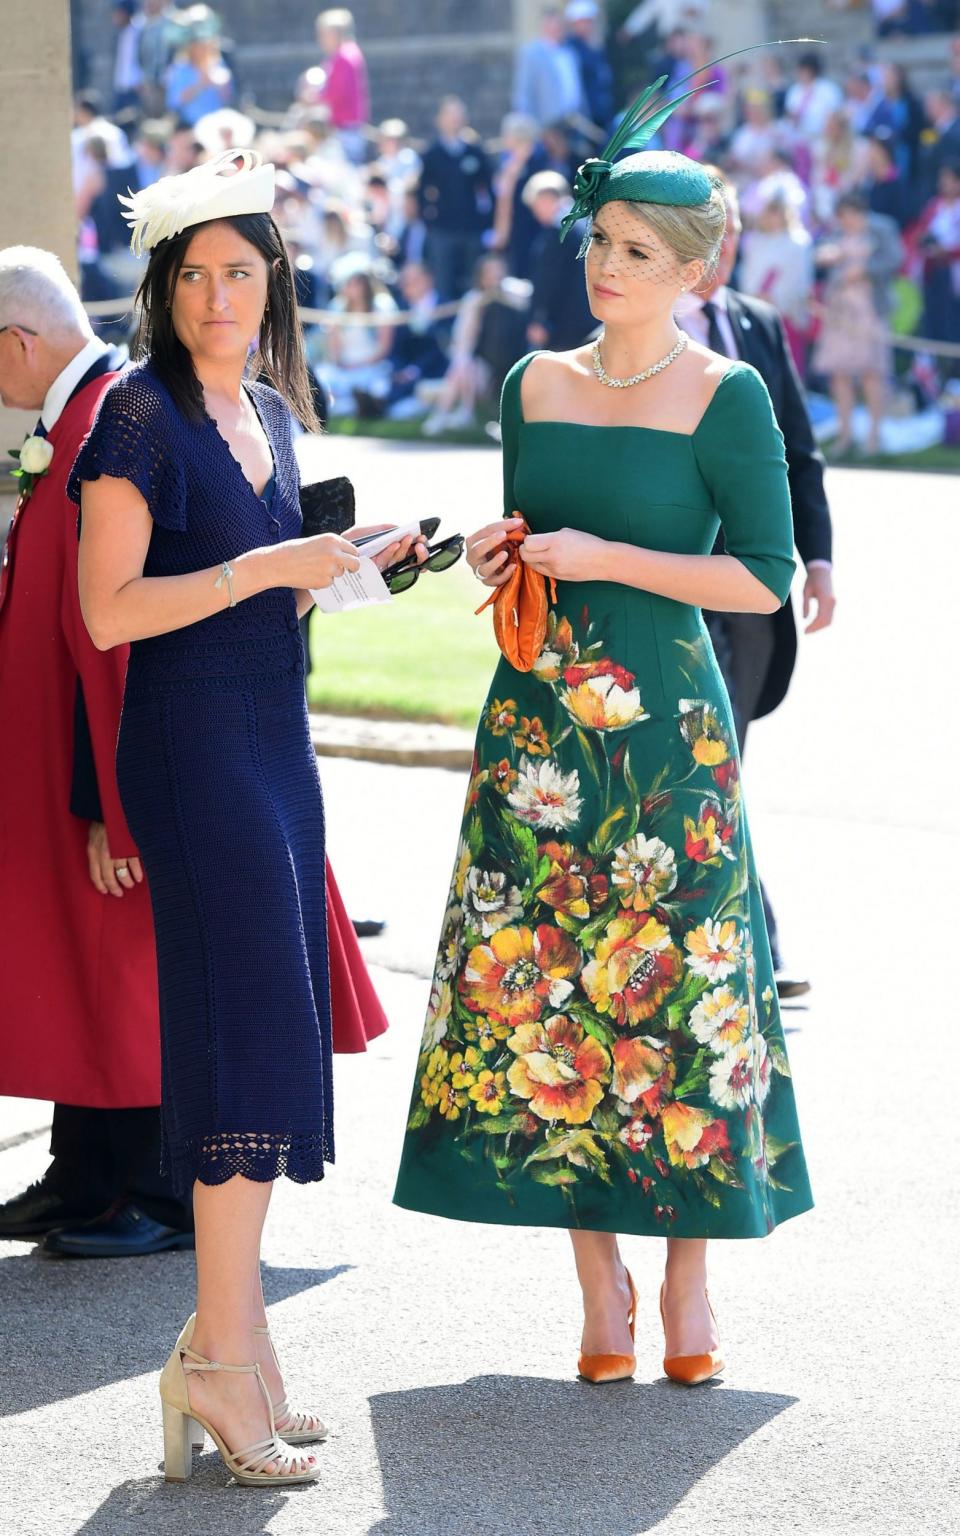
440,557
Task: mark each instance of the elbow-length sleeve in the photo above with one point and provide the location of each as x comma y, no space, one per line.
131,440
511,418
740,452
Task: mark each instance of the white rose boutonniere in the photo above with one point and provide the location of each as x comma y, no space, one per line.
34,458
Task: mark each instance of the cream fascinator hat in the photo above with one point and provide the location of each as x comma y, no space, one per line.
234,182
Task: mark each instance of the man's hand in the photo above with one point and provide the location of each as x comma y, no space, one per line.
818,588
109,875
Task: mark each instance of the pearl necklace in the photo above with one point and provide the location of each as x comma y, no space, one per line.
637,378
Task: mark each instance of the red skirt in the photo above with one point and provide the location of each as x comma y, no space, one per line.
357,1014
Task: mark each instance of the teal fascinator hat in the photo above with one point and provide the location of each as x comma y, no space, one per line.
647,176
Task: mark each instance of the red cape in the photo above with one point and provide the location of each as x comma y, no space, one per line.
79,1018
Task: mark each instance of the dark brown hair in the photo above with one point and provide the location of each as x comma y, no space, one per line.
279,358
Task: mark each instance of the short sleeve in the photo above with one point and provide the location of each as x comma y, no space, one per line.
511,420
740,452
132,439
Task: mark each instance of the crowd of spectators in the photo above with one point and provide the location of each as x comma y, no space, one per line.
437,263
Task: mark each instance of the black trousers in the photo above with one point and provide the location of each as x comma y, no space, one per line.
103,1155
744,645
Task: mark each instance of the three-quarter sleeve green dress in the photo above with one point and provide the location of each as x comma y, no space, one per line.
603,1046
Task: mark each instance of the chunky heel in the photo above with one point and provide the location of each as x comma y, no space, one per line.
295,1426
177,1444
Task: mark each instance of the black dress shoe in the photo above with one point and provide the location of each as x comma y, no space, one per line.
38,1210
789,984
123,1232
368,927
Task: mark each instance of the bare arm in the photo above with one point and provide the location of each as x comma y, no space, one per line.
721,582
120,604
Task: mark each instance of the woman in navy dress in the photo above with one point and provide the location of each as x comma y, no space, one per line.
189,549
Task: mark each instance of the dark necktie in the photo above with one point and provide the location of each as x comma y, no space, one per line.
715,339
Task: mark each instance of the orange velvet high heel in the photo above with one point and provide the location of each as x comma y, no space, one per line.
690,1370
603,1368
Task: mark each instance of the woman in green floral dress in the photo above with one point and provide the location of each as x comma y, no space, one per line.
603,1049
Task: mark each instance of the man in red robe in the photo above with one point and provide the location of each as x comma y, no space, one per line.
79,1022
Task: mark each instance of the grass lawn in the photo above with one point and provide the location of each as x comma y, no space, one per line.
424,656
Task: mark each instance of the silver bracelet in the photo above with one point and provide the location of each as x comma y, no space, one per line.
226,575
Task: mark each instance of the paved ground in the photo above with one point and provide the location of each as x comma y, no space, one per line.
444,1354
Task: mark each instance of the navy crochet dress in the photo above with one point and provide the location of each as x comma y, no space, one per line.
219,784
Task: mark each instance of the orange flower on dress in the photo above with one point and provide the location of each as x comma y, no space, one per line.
520,973
500,718
634,969
572,886
531,737
502,776
692,1135
559,1068
709,838
642,1074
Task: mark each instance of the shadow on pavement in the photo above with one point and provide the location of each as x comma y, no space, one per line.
84,1323
209,1504
526,1455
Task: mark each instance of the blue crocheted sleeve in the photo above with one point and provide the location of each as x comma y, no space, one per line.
134,437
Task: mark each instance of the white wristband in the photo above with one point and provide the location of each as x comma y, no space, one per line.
226,575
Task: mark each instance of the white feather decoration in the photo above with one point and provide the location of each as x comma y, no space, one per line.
234,182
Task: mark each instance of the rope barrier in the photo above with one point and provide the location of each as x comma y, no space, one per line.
336,317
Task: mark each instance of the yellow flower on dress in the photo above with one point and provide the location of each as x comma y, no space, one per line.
464,860
433,1078
464,1066
701,729
486,1032
489,1092
602,696
715,949
634,969
692,1135
559,1068
720,1019
451,1102
438,1013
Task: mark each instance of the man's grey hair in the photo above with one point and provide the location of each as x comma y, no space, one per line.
36,292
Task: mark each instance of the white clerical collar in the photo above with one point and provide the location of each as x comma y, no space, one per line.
67,379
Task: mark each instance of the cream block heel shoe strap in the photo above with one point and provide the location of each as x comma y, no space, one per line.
179,1418
293,1426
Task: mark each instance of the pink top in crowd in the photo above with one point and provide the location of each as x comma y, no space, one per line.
346,92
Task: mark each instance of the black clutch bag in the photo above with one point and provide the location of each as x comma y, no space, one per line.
328,506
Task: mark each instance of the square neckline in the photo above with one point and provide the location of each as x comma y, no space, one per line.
599,426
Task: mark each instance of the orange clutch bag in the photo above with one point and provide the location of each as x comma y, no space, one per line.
520,606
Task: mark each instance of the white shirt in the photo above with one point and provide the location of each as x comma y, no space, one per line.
691,318
66,381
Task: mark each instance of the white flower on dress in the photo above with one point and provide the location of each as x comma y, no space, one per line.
761,1069
644,871
604,700
731,1077
545,797
489,901
720,1019
438,1012
451,942
715,949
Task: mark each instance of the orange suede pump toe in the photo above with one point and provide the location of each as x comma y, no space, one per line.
691,1370
600,1369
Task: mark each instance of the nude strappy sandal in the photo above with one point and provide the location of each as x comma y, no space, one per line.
181,1424
293,1426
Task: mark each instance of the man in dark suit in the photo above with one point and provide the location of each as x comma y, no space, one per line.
757,652
560,315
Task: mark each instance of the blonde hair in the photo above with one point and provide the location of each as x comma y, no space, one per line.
692,234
